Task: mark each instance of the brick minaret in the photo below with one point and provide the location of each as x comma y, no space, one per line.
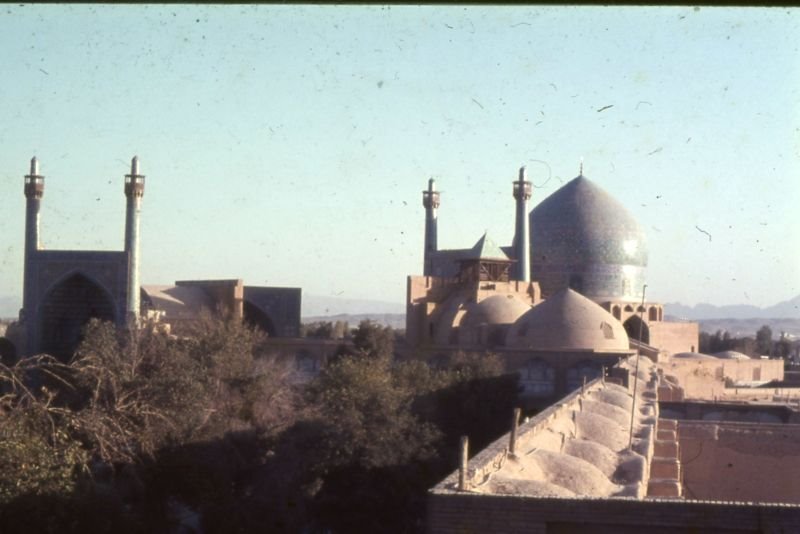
34,191
430,199
522,246
134,191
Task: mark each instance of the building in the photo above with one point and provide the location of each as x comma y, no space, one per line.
63,289
639,452
564,300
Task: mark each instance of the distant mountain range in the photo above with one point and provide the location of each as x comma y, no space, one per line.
788,309
322,306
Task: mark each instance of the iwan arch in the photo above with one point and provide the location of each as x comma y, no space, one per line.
64,289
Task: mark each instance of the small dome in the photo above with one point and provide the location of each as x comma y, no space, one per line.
731,355
692,356
568,321
497,309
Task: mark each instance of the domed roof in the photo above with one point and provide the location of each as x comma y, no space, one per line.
580,223
568,321
731,355
692,356
497,309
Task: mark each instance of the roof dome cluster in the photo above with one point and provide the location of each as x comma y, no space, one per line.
566,321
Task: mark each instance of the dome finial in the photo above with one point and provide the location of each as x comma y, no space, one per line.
581,170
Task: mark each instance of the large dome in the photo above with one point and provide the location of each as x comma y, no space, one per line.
581,237
568,321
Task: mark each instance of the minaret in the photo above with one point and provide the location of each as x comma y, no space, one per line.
134,191
522,245
430,199
34,191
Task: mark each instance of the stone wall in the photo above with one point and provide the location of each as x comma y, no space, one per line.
753,462
675,337
463,513
706,378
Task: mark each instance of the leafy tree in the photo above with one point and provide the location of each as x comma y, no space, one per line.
320,330
783,347
38,456
373,340
764,340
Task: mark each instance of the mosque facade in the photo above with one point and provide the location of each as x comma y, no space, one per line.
564,300
64,289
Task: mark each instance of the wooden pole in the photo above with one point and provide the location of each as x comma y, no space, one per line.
462,468
636,371
512,442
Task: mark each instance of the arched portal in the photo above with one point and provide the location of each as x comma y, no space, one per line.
632,328
8,352
64,311
256,317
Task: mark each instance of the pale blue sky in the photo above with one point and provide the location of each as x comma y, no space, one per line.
288,145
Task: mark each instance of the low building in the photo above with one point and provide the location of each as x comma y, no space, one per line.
633,453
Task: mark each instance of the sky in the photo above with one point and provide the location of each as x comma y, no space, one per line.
289,145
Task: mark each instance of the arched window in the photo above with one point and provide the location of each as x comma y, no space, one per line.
576,374
616,312
538,379
652,313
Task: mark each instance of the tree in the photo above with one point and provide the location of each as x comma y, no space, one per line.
373,340
38,456
764,340
783,347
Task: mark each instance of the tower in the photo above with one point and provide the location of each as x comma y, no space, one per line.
34,191
430,199
134,191
522,251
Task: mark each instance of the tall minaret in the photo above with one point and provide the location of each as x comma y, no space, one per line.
134,191
522,245
430,199
34,191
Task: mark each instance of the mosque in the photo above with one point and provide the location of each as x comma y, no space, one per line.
636,431
564,300
63,289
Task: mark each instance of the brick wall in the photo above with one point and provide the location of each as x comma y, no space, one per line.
464,513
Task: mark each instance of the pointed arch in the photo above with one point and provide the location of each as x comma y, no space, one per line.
632,326
66,308
256,317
